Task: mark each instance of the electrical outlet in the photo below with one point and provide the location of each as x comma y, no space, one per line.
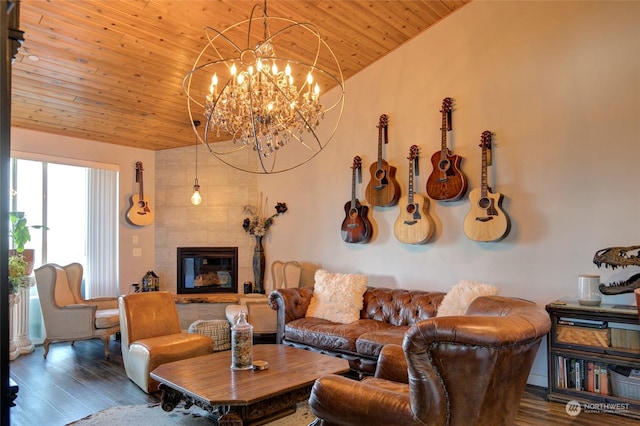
136,240
137,252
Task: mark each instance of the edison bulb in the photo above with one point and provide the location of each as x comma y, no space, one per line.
196,199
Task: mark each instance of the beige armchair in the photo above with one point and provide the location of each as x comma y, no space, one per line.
151,336
69,317
256,306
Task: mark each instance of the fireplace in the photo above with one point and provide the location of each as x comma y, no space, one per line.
207,270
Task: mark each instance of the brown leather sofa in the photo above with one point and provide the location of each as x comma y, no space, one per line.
462,370
386,316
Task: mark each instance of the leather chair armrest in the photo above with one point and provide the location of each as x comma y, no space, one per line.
291,304
339,400
392,364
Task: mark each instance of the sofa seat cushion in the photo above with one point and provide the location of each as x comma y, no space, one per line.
107,318
371,343
172,347
325,334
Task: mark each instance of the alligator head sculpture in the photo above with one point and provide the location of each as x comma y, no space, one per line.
619,257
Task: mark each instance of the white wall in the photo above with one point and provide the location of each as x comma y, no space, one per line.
559,85
132,269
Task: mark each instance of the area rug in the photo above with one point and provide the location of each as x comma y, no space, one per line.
154,415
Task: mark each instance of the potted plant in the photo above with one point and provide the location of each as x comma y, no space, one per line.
17,272
19,233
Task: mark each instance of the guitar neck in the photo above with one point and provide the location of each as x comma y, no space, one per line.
353,188
412,164
380,132
484,186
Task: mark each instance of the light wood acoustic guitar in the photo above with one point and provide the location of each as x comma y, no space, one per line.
486,221
446,182
414,225
140,213
356,226
383,188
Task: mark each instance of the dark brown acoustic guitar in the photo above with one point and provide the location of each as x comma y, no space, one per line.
356,227
383,188
486,220
446,182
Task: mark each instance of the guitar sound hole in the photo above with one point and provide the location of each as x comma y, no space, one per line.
444,165
141,204
411,208
380,174
353,213
484,203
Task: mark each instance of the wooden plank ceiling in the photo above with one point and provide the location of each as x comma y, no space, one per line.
112,70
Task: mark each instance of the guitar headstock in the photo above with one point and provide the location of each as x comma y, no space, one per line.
357,163
414,151
446,105
139,166
485,140
384,121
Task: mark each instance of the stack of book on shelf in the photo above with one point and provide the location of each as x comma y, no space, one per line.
582,375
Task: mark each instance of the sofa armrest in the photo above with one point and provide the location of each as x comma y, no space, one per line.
291,304
392,364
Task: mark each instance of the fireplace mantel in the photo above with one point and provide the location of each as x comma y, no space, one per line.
206,298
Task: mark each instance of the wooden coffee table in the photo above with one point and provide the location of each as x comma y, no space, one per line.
253,397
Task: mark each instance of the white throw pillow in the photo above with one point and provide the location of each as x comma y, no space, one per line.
457,300
337,297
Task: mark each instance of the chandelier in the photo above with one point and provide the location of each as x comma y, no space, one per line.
262,111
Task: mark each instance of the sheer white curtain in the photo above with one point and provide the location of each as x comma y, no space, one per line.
101,274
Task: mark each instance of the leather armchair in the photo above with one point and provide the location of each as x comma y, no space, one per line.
151,336
464,370
66,314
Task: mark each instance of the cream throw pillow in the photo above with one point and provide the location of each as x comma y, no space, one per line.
457,300
337,297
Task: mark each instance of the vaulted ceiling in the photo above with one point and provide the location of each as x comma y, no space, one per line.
112,70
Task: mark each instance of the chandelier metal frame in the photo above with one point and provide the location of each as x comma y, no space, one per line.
259,107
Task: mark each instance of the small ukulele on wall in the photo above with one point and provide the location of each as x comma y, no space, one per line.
140,213
486,221
414,225
383,188
446,182
356,227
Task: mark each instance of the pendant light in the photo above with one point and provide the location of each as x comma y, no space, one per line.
196,199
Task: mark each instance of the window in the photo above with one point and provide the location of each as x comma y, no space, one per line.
79,206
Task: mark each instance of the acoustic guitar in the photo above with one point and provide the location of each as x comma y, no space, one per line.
356,227
486,221
414,225
446,182
140,213
383,188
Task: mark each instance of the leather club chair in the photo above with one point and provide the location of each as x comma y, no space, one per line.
66,314
459,370
151,336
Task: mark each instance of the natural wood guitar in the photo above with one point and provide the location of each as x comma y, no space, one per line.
486,221
140,213
414,225
446,182
383,188
356,226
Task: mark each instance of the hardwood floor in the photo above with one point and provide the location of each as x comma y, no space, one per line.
75,381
